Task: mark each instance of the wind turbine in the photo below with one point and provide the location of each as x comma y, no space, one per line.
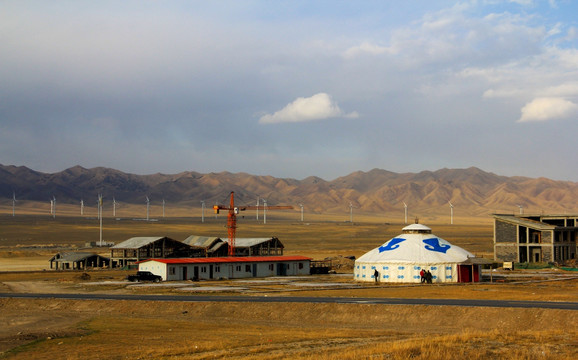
301,206
13,203
100,215
163,208
264,211
257,209
350,212
98,207
202,211
451,213
81,207
405,210
521,209
53,206
113,207
148,205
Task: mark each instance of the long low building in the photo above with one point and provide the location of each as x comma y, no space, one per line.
226,267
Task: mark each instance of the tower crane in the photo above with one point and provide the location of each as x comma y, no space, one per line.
232,218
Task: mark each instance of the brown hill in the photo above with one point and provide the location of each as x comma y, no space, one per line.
472,191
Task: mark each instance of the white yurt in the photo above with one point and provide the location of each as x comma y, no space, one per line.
402,258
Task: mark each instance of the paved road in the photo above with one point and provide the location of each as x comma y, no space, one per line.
282,299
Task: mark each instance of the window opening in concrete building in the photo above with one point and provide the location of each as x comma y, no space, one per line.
535,236
523,254
522,234
555,222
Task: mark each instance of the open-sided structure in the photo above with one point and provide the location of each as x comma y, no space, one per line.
210,246
140,248
78,261
217,247
402,258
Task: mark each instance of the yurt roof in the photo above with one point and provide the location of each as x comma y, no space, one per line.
416,246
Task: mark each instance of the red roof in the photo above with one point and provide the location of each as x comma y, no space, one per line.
229,259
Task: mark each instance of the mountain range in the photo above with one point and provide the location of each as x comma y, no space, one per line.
474,191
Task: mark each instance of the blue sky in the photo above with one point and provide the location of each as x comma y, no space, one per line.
290,88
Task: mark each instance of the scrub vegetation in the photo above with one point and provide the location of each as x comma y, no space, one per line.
74,329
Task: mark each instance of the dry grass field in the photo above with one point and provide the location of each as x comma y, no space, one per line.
74,329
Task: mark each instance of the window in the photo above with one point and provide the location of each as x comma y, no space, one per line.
271,267
172,270
247,268
238,268
300,266
203,269
217,268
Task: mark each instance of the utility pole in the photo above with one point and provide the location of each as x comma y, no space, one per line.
100,215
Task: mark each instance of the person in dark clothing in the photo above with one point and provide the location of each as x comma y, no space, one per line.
376,275
429,277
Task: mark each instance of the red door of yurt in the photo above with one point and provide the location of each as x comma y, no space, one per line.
464,273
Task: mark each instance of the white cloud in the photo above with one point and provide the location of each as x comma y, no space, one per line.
366,48
543,109
317,107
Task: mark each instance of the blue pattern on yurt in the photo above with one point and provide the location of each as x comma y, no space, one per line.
391,245
433,244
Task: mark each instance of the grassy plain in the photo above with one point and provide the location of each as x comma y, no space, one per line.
71,329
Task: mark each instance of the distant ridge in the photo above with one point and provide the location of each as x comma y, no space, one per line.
472,191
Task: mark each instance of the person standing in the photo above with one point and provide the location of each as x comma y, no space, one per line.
422,275
376,275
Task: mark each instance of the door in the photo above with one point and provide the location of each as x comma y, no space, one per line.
184,273
536,254
196,273
464,273
281,269
210,271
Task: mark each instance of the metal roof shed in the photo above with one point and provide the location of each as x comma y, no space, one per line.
139,248
78,261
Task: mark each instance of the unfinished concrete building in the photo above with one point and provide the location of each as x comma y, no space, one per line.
136,249
535,238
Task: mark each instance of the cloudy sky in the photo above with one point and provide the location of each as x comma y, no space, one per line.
290,88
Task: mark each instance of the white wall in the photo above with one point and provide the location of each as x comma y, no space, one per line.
404,273
174,272
155,267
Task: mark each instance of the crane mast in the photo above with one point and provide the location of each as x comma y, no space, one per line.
232,212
